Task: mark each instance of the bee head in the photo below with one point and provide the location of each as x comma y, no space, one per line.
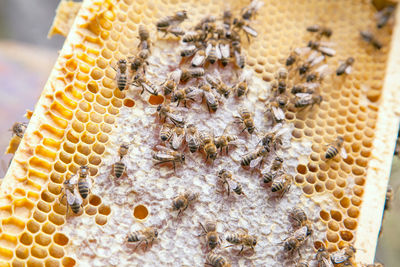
254,241
222,171
159,107
183,158
155,233
226,94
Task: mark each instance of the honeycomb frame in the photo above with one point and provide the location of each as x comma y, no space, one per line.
31,225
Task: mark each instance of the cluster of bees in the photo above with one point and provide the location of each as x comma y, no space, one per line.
213,41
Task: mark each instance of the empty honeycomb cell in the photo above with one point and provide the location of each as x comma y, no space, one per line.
81,160
112,110
369,133
50,262
56,120
51,143
38,252
301,169
96,118
36,178
358,190
98,148
8,241
104,209
334,166
102,101
102,138
366,153
84,149
60,239
48,228
140,212
100,219
333,226
56,219
344,167
90,210
43,206
89,97
345,202
83,68
87,138
297,133
26,239
346,235
33,196
47,196
341,183
332,236
330,185
349,160
308,189
356,201
359,180
33,262
5,211
22,208
94,200
12,225
39,164
93,159
353,212
331,174
321,176
336,215
314,157
367,143
61,111
310,178
72,92
319,187
299,179
107,93
59,208
22,252
82,116
71,65
45,153
56,251
92,128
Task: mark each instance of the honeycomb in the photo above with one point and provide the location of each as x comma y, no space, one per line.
81,119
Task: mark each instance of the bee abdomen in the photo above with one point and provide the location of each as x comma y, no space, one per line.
233,239
193,147
133,237
122,81
83,189
119,169
331,152
268,177
277,187
75,207
238,190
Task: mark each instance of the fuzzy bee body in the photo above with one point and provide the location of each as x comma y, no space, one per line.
147,235
19,128
242,238
217,260
207,141
122,77
304,100
167,155
335,148
248,159
246,118
119,169
83,187
192,138
210,231
282,184
166,131
212,103
345,67
182,202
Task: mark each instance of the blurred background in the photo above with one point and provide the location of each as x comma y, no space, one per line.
26,59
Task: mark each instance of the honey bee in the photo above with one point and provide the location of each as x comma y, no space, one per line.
119,168
168,21
225,140
241,88
242,238
213,52
210,231
282,184
144,36
240,24
239,57
211,100
276,164
276,106
196,36
185,94
370,38
123,150
251,10
291,59
302,263
217,260
323,258
323,47
299,216
188,51
139,61
192,138
343,256
191,73
171,83
166,131
199,58
294,241
269,176
226,177
388,198
147,235
218,85
84,183
204,21
246,118
305,88
122,76
207,142
227,19
74,200
320,30
224,48
166,112
345,67
254,157
304,100
182,201
177,137
281,78
19,128
336,148
313,60
319,74
384,15
142,81
165,155
273,138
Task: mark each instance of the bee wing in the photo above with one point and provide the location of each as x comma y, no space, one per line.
317,60
225,52
77,197
278,113
177,140
255,5
283,131
70,197
237,142
176,75
302,50
250,31
304,96
312,86
348,70
339,257
211,80
343,153
323,70
176,119
74,179
327,51
208,49
313,55
210,97
237,57
255,162
198,60
148,88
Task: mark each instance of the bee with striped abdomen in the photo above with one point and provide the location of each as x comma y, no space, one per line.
182,202
166,131
144,36
122,74
184,95
371,39
209,147
192,138
345,67
344,256
282,184
218,85
147,235
246,118
254,157
320,30
210,231
191,73
297,239
169,21
242,238
305,100
165,155
302,263
74,200
305,88
142,81
188,51
199,58
213,52
226,177
211,99
240,24
323,258
166,112
119,166
335,148
19,128
217,260
178,136
299,216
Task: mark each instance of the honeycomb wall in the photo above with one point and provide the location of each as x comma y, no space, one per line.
81,118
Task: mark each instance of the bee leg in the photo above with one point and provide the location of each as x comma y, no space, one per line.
142,90
240,252
140,242
174,166
205,232
147,243
229,188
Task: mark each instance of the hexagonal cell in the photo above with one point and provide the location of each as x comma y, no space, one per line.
68,262
60,239
12,225
140,212
42,239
